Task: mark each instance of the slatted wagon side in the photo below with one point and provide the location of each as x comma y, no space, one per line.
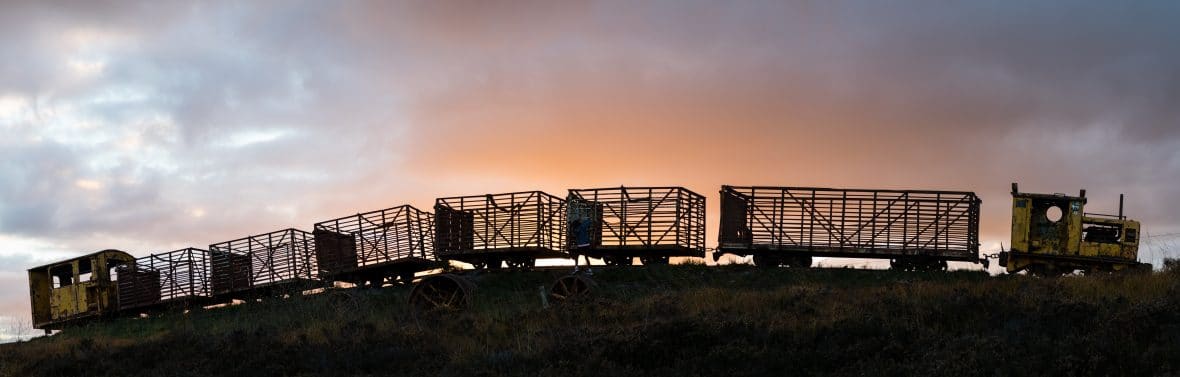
915,229
177,278
275,263
620,223
374,247
487,230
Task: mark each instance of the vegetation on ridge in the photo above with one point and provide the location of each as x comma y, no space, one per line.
685,320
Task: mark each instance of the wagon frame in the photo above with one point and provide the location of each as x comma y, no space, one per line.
915,229
269,264
393,243
484,230
620,223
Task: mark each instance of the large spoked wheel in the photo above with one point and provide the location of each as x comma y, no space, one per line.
767,261
618,261
653,261
571,287
442,292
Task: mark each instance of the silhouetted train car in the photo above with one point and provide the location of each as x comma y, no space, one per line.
75,290
375,246
488,230
916,230
174,279
620,223
276,263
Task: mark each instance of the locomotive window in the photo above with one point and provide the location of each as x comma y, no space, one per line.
85,270
63,275
1131,235
1053,214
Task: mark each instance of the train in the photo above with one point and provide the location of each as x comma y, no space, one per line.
776,226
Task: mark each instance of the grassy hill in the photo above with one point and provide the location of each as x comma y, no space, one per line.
676,320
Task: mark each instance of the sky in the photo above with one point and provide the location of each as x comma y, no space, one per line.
153,126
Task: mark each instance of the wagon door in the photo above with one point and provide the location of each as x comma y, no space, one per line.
735,231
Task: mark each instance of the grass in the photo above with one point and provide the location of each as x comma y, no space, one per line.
675,320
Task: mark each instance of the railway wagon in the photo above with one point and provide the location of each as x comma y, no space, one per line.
487,231
75,290
269,264
915,230
385,245
173,279
620,223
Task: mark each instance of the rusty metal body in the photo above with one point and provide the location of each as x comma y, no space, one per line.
485,230
373,246
914,229
620,223
75,290
174,279
276,263
1052,235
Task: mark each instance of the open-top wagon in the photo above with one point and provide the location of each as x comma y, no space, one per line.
915,230
488,230
620,223
385,245
275,263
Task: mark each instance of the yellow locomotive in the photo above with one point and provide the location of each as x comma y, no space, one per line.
75,290
1052,235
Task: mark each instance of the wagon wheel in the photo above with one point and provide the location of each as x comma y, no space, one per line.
657,260
441,292
764,260
571,287
618,261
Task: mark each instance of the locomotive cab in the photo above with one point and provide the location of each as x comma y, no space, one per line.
76,289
